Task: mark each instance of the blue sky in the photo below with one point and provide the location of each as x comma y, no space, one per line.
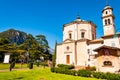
48,16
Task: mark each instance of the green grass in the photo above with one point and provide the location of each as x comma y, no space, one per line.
6,66
38,74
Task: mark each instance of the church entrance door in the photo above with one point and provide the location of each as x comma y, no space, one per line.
68,59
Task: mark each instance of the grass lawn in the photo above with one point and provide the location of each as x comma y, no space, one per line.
38,74
6,66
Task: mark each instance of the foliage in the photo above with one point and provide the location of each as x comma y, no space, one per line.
31,65
12,65
52,69
18,43
65,66
54,56
37,63
63,71
93,68
42,40
107,76
4,41
98,75
43,64
84,73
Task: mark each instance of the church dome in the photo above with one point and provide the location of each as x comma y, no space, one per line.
108,7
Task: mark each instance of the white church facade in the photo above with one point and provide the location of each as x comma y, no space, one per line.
81,48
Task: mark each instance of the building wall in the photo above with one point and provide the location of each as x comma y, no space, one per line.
81,53
113,58
88,29
69,29
76,29
92,53
112,42
109,29
62,52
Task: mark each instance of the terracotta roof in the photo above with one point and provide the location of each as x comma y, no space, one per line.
96,41
107,47
111,35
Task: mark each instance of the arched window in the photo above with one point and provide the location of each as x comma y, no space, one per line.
105,22
108,21
106,12
70,35
82,34
107,63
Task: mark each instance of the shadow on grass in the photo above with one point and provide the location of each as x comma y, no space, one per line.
19,78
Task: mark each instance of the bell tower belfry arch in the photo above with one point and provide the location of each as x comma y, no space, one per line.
108,20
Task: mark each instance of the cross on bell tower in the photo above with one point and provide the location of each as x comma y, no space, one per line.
106,2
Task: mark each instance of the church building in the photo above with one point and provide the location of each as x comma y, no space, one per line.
81,48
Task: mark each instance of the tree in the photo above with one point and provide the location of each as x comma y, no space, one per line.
42,40
54,56
3,44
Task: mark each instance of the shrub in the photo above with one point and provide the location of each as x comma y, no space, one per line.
12,65
65,66
107,76
31,65
71,72
64,71
37,63
43,64
93,68
111,76
84,73
52,69
99,75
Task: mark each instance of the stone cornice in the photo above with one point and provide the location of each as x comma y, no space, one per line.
108,16
95,41
79,22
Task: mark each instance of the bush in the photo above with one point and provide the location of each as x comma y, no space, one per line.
70,72
43,64
31,65
93,68
37,63
111,76
64,71
107,76
52,69
65,66
12,65
84,73
99,75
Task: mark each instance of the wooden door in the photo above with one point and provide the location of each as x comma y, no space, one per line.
67,59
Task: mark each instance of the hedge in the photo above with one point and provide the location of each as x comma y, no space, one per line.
65,66
86,73
107,76
64,71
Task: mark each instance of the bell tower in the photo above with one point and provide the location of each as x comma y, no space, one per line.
108,20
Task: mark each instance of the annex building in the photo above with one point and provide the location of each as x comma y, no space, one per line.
81,48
